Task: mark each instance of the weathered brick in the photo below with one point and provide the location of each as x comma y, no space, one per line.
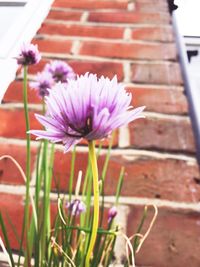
81,30
14,94
175,231
162,100
16,128
168,134
91,4
9,173
52,46
65,15
12,208
33,69
132,51
12,211
129,17
108,69
150,6
9,129
153,2
161,34
174,239
157,73
169,179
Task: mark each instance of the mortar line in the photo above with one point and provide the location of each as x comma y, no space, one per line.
19,106
131,6
124,137
124,200
158,115
106,59
127,36
120,40
84,17
148,114
75,47
155,86
76,9
129,154
129,83
127,71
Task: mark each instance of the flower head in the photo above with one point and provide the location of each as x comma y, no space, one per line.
29,55
76,207
112,213
87,108
43,82
60,71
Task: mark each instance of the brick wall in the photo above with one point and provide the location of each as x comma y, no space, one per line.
135,40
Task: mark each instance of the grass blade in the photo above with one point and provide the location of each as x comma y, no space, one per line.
7,243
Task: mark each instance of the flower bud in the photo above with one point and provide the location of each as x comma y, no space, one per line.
76,207
112,213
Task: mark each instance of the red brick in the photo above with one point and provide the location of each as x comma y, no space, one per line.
80,30
15,128
168,134
108,69
161,34
169,179
33,69
131,51
64,15
175,231
91,4
52,46
130,17
14,94
153,2
157,73
12,207
10,128
149,6
105,142
12,210
9,173
160,100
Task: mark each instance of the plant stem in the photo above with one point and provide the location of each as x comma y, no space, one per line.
28,141
72,173
28,157
93,161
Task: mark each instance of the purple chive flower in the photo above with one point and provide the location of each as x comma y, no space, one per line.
43,82
87,108
112,213
76,207
29,55
60,71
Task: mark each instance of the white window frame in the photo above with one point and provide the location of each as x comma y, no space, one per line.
22,31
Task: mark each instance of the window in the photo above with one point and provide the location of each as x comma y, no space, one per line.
186,20
19,22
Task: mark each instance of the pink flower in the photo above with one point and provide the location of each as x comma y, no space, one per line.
42,83
87,108
60,71
29,55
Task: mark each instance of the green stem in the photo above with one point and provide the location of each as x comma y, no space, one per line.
93,161
72,173
28,141
28,157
